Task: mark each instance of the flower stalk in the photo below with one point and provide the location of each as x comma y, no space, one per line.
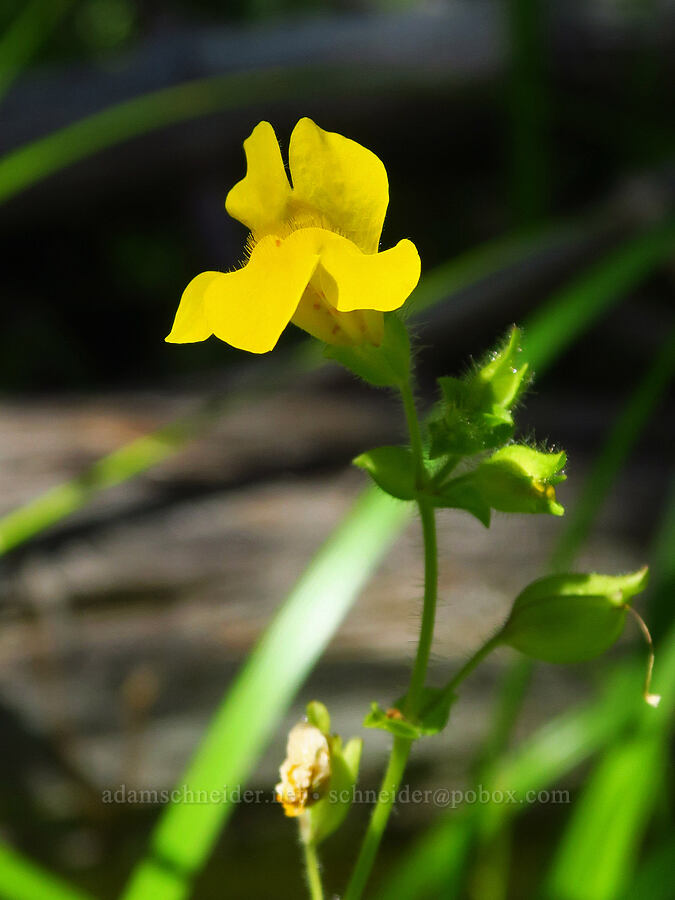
401,747
313,871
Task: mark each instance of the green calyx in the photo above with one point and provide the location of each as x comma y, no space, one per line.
325,816
572,617
385,366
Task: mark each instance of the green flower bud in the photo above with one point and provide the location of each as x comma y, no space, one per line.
477,408
572,617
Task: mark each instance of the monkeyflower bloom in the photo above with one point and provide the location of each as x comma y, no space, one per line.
305,773
312,251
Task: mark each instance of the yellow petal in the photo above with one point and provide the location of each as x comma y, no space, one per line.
190,323
340,180
381,281
251,307
260,200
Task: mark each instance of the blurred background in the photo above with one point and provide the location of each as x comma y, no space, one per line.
530,150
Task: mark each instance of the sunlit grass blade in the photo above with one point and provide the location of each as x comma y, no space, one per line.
263,691
23,880
25,34
574,308
28,520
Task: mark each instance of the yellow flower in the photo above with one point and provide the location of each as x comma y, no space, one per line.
313,249
305,773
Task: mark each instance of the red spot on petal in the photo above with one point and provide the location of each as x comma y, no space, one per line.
316,305
278,242
336,328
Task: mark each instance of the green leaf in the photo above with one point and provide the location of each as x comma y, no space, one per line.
461,493
392,721
392,469
318,716
435,706
327,815
385,366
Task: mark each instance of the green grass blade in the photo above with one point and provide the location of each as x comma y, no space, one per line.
624,435
528,107
483,261
23,880
654,880
25,34
660,608
576,307
26,521
29,164
263,691
598,849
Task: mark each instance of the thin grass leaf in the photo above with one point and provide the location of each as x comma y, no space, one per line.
528,108
572,310
263,691
483,261
660,600
26,521
598,850
624,435
23,880
32,162
654,879
24,36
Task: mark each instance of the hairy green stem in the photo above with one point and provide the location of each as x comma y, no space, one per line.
468,668
419,672
414,431
400,750
313,871
378,821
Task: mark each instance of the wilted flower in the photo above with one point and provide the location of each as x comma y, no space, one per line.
306,771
